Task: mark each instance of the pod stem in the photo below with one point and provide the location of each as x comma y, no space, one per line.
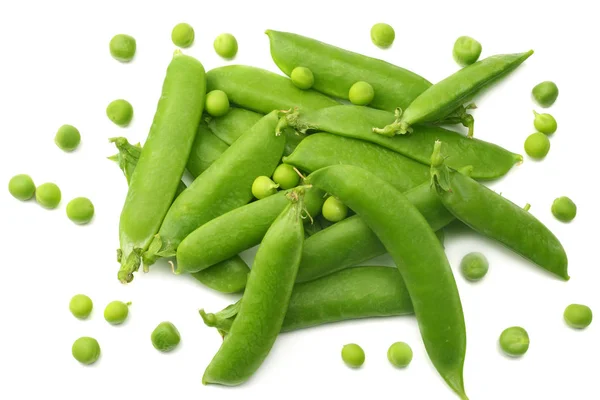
223,319
293,118
131,265
440,173
396,127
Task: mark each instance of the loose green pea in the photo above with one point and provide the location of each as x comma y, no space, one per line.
217,103
302,77
122,47
182,35
80,210
67,138
263,187
285,176
545,123
537,145
466,50
165,337
353,355
382,35
116,312
474,266
120,112
226,45
86,350
81,306
545,93
514,341
21,187
334,210
48,195
400,354
578,316
361,93
564,209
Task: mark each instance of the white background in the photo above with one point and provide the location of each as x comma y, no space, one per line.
56,69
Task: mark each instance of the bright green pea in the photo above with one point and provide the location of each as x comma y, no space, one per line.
537,145
382,35
285,176
116,312
120,112
217,103
226,45
466,50
48,195
263,187
334,210
474,266
564,209
122,47
302,77
86,350
578,316
165,337
514,341
21,187
353,355
81,306
67,138
545,123
361,93
182,35
545,93
400,354
80,210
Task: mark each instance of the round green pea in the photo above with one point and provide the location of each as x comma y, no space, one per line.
80,210
122,47
564,209
263,187
285,176
474,266
165,337
217,103
545,93
21,187
116,312
537,145
578,316
334,210
48,195
302,77
120,112
226,45
382,35
353,355
514,341
182,35
86,350
81,306
545,123
466,50
400,354
361,93
67,138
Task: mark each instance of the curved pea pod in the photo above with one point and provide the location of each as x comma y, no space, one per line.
232,125
161,164
419,257
488,160
336,70
228,276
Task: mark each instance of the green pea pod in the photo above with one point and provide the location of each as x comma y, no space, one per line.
228,276
498,218
420,259
157,176
265,300
488,160
207,148
336,70
232,125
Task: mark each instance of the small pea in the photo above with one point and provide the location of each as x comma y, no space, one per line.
81,306
182,35
334,210
537,145
263,187
86,350
217,103
122,47
48,195
361,93
382,35
120,112
474,266
165,337
226,45
545,93
285,176
21,187
302,77
116,312
400,354
514,341
578,316
466,50
353,355
80,210
67,138
544,123
564,209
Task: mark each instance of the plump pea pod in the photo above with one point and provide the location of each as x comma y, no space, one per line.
157,176
420,259
232,125
488,160
237,230
336,70
498,218
265,300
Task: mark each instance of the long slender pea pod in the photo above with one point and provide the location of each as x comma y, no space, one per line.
232,125
488,160
336,70
420,259
157,176
265,300
498,218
